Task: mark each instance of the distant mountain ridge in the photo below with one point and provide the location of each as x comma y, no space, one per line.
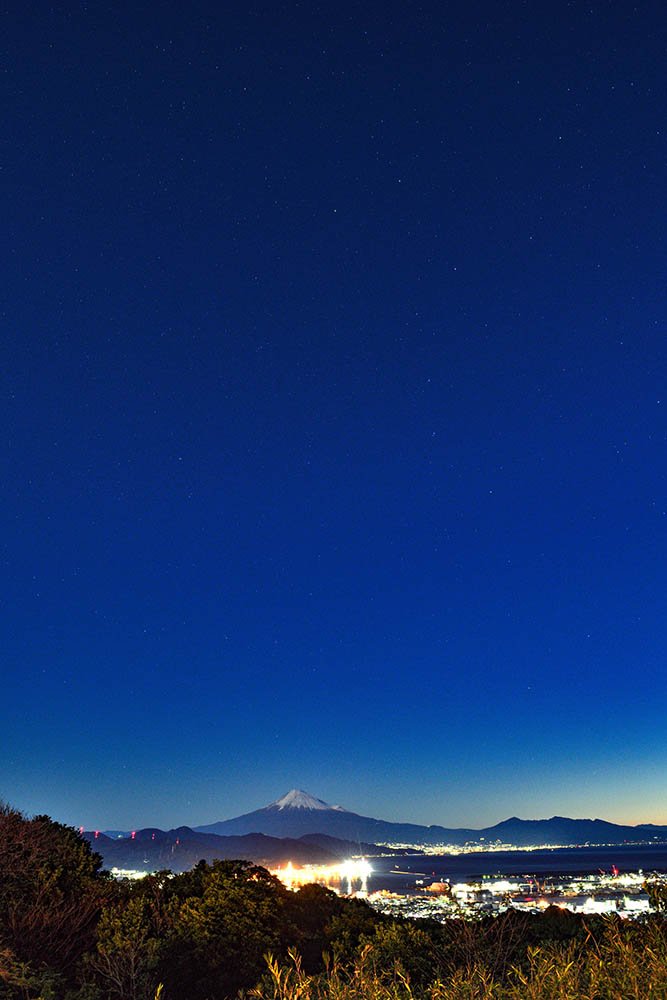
298,813
179,849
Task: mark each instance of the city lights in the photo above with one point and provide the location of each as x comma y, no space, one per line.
348,876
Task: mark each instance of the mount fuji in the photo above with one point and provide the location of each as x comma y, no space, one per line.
298,814
298,810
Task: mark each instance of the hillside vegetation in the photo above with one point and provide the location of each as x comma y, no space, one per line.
70,932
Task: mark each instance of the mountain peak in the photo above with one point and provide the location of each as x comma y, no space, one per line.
298,799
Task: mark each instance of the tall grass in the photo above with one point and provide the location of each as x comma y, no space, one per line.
624,962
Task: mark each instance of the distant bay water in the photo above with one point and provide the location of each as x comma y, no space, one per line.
400,873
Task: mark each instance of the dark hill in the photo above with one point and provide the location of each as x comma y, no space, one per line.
178,850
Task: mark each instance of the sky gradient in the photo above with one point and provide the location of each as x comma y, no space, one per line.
334,409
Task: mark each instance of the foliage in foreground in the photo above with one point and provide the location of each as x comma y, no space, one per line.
69,932
623,963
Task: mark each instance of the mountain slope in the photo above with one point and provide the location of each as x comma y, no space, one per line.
296,815
565,831
284,819
178,850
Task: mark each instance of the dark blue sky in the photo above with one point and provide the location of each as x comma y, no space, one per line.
334,410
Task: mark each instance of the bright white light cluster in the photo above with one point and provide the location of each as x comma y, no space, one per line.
355,870
351,871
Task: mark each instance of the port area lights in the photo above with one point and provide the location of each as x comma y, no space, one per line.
351,870
355,870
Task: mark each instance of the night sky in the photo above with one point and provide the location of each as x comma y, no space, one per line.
334,410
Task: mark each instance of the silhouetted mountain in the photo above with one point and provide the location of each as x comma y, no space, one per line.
284,818
152,849
298,814
565,831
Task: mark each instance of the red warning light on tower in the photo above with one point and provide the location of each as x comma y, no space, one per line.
133,834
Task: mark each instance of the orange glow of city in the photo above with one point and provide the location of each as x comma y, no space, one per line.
346,877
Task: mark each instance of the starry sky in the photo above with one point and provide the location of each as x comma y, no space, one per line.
334,410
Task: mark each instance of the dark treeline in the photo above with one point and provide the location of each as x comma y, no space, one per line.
70,932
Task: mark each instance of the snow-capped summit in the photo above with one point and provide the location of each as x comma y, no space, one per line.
298,799
294,815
